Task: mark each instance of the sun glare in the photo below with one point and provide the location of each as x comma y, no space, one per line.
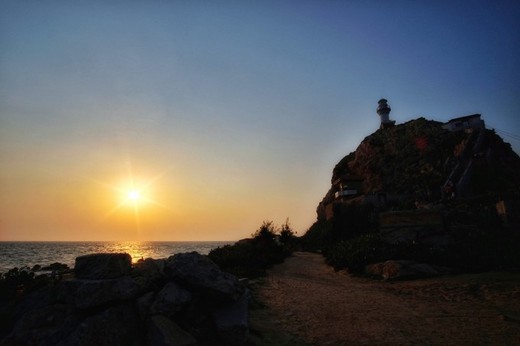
133,195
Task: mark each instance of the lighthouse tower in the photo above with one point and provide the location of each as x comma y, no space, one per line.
383,110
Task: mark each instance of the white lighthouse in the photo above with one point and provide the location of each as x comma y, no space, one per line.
383,110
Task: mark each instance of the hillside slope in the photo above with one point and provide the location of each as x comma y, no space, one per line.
418,159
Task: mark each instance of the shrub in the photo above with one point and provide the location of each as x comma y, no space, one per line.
313,239
356,253
251,257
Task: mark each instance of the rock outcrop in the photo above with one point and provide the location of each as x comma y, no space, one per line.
414,160
103,266
183,300
401,269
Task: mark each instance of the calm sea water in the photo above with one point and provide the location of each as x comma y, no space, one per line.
19,254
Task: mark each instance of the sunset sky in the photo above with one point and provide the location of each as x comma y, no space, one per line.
222,114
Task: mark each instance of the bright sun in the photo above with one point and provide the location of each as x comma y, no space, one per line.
133,195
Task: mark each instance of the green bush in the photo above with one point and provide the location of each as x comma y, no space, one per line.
251,257
356,253
475,252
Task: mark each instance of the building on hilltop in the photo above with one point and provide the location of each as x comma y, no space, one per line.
383,110
347,187
465,123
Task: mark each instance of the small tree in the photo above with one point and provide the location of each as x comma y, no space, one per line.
266,233
287,235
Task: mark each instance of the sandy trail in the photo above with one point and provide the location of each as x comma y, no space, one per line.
317,306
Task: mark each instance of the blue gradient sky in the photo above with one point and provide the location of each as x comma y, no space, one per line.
229,112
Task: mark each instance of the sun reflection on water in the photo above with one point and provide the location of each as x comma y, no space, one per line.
17,254
143,249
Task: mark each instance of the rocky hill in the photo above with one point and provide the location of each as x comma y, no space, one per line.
421,161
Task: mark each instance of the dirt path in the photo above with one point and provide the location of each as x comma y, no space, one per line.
307,303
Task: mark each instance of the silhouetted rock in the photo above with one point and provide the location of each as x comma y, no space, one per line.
84,294
56,266
185,300
201,274
149,273
231,321
164,332
115,326
35,300
144,304
170,300
103,266
401,269
43,326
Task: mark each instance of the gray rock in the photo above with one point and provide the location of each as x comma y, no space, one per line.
103,266
164,332
116,326
35,300
199,273
143,305
43,326
231,321
401,269
85,294
149,273
149,268
170,300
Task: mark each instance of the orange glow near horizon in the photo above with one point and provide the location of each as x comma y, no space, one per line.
136,195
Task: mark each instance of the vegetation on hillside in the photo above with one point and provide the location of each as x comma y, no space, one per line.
476,240
413,161
251,257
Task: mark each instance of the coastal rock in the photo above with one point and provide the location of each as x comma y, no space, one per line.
149,267
401,269
34,300
198,272
115,326
43,326
170,300
164,332
143,305
85,294
231,321
103,266
185,300
57,267
149,273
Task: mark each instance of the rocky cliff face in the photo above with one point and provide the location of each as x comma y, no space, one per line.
418,158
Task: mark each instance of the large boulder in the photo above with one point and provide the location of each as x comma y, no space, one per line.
115,326
43,326
164,332
170,300
143,305
85,294
199,273
401,269
103,266
150,268
149,273
35,300
231,321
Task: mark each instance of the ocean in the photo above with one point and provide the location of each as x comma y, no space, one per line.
20,254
